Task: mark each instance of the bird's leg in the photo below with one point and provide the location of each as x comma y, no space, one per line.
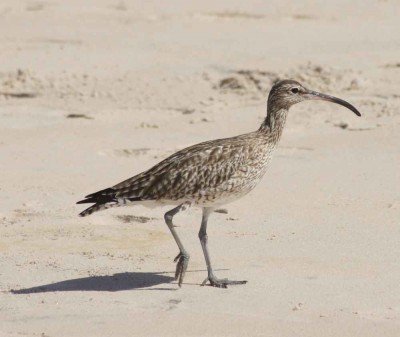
214,281
183,257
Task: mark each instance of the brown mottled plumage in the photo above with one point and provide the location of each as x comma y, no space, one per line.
209,174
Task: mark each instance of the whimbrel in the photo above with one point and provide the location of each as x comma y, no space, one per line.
210,174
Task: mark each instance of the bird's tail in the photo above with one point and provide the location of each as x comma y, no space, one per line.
104,199
98,207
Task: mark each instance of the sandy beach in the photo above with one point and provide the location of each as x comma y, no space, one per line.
92,93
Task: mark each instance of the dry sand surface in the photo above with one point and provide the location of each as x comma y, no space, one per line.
93,92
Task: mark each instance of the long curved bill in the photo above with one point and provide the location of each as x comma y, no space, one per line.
323,97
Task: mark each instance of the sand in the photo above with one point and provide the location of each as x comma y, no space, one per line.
92,93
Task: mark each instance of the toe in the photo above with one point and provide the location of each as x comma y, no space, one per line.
221,283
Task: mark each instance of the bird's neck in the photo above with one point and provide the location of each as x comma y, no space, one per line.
273,123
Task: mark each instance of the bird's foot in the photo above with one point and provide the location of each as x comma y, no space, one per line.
220,283
182,260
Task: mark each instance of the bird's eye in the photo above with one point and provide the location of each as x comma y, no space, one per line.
295,90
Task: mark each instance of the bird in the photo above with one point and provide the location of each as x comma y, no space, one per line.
210,174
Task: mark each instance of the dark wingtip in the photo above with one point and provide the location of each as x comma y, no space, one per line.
98,197
86,201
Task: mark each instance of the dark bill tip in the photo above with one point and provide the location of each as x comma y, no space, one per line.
323,97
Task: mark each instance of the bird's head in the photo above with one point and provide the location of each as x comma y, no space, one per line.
288,92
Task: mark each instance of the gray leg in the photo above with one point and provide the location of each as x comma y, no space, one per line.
215,282
183,257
